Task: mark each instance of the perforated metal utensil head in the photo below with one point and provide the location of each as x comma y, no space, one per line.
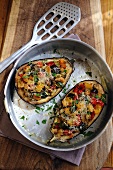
56,22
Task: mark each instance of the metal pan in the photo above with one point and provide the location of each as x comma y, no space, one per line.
16,108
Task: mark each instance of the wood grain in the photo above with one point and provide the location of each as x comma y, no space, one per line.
107,18
17,156
3,18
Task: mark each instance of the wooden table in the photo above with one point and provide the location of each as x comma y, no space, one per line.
17,156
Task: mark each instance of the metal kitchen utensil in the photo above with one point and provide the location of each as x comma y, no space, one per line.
55,23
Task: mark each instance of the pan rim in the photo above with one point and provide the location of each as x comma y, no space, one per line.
8,107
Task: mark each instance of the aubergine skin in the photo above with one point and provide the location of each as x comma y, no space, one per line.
39,81
78,110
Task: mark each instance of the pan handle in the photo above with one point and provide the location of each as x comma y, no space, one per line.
4,64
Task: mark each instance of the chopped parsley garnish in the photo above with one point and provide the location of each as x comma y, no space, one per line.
54,74
25,77
38,108
73,108
38,94
50,113
23,126
97,97
54,102
73,103
76,102
36,78
37,122
49,108
88,112
37,111
30,62
60,84
69,85
103,98
23,117
89,73
44,121
35,72
65,71
60,96
64,90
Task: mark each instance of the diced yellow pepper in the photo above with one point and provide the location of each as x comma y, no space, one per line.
97,109
88,85
39,87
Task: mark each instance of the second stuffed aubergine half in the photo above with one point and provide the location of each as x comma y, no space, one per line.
37,82
78,110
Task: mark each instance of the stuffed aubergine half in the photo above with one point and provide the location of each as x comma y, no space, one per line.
37,82
78,110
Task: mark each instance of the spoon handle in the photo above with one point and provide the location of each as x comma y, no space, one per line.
4,64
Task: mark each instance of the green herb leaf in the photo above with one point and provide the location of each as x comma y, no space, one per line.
49,108
60,96
54,102
88,112
76,102
89,73
50,113
38,94
64,90
38,108
23,117
65,71
37,111
97,97
37,122
54,74
36,78
25,77
60,84
73,108
23,126
44,121
30,62
35,72
103,98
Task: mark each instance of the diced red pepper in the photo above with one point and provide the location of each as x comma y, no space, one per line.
40,64
75,90
75,97
67,132
95,101
51,63
53,87
100,102
79,89
92,115
56,126
21,75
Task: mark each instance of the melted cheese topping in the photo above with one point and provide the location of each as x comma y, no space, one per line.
38,81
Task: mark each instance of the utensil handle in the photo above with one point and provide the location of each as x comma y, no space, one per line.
4,64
